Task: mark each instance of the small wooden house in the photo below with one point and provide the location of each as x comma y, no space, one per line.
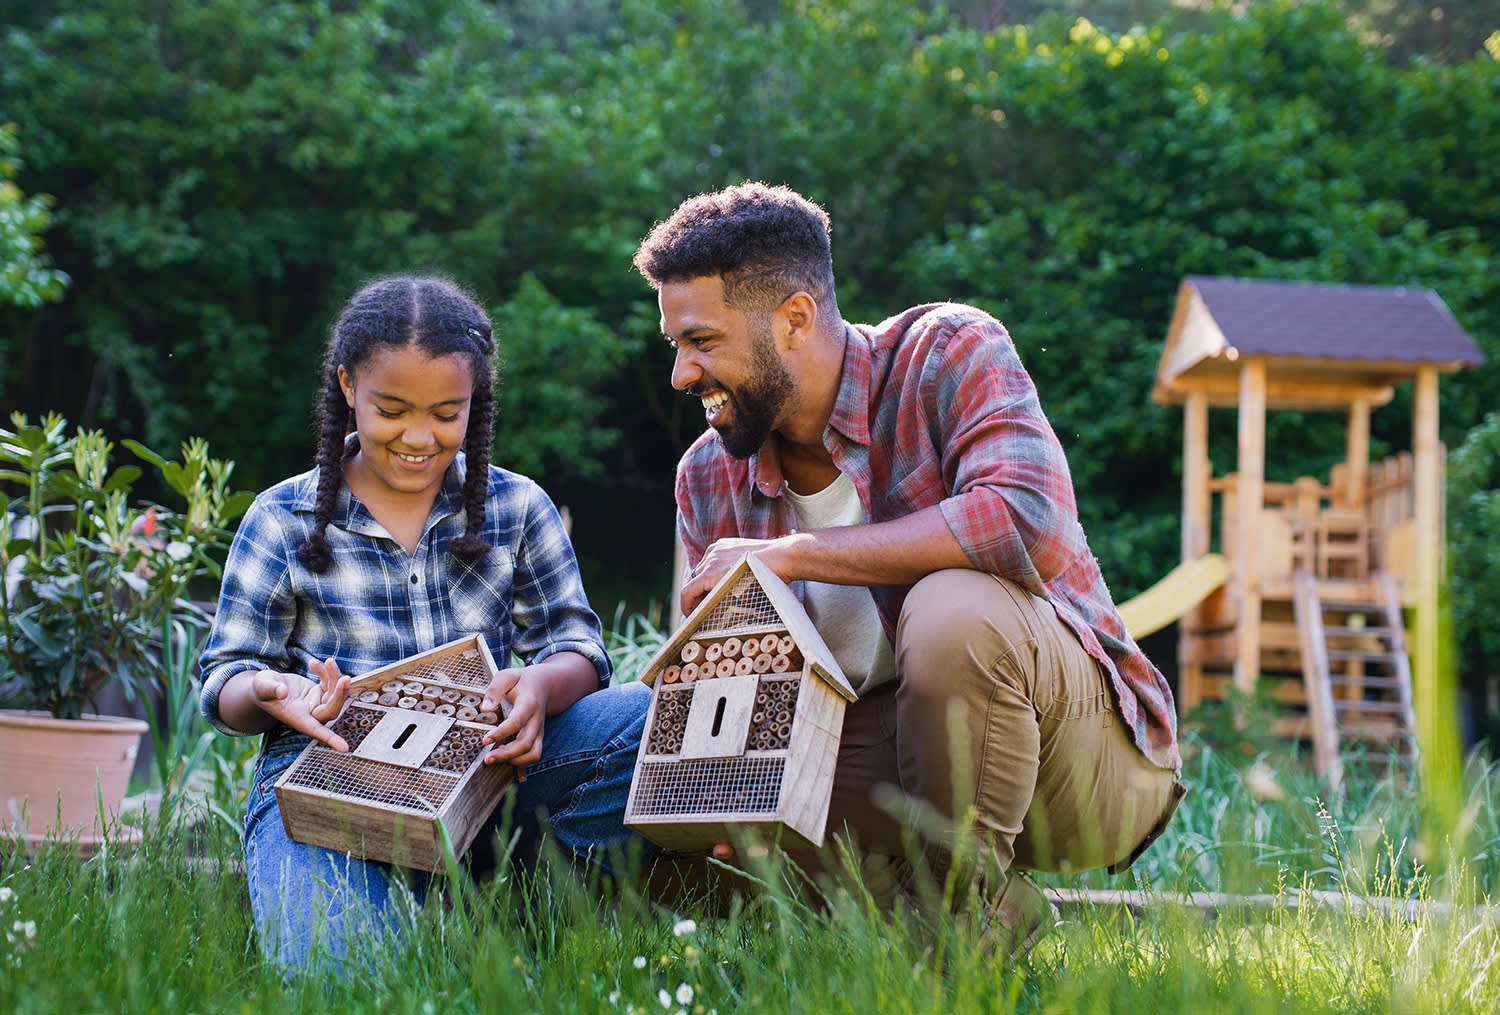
1319,569
747,709
413,776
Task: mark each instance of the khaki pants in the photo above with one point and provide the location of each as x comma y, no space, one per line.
1000,718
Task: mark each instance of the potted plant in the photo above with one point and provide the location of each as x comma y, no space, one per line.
92,584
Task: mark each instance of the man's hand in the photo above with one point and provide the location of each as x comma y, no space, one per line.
302,704
721,558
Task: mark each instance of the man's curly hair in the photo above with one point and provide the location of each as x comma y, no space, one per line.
765,242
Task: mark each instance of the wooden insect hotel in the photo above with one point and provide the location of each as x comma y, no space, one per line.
1317,573
413,774
742,736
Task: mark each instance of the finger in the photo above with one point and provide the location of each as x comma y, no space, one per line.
691,598
328,672
519,752
331,702
500,690
269,686
325,735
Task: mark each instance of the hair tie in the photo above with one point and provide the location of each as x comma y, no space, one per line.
479,338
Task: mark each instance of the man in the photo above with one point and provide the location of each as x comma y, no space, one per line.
905,478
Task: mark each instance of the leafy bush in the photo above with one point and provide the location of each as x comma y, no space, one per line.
90,580
1474,568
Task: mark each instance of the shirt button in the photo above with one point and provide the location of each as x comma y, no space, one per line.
413,579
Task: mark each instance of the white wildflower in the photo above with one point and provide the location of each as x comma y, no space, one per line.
6,894
682,927
664,998
640,962
684,994
614,998
1261,781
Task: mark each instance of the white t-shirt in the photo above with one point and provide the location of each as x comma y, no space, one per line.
844,615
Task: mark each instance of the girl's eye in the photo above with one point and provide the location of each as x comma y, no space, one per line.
448,419
389,413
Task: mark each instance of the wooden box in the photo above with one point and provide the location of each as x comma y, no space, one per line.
747,709
413,772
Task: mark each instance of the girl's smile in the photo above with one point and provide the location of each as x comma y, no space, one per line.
412,414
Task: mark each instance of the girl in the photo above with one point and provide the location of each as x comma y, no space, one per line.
404,537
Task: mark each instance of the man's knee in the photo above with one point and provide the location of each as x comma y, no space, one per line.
958,622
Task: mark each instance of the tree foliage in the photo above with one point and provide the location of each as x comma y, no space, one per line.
26,277
228,171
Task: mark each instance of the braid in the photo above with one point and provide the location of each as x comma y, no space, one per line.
439,318
471,546
333,419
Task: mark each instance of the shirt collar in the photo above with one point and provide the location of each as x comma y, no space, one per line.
352,516
851,410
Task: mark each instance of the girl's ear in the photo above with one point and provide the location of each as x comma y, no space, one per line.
346,382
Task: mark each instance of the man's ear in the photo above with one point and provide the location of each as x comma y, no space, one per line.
800,311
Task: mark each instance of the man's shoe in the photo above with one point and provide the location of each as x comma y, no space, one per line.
1017,918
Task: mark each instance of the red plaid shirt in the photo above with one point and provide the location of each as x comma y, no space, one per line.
936,408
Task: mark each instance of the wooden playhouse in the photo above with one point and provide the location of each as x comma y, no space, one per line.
1318,572
747,709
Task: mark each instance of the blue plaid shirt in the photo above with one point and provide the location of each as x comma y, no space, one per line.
377,604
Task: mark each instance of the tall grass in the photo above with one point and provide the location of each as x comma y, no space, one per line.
166,927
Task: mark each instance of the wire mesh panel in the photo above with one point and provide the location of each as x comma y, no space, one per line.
364,780
746,606
459,666
713,786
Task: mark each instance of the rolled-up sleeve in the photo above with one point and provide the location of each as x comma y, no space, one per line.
256,609
1012,505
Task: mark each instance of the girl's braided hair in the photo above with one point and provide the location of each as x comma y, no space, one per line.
441,319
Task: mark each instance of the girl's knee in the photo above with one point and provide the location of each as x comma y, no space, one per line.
613,711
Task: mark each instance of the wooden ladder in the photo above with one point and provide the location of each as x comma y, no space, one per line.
1356,673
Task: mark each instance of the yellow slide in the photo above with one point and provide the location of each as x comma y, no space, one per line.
1184,587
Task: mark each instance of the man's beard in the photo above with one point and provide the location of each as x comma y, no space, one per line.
759,401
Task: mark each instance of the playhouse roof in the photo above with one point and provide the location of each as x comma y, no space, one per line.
1324,345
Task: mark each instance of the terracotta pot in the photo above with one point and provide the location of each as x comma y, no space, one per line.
55,772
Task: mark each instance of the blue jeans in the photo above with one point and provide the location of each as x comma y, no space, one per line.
309,900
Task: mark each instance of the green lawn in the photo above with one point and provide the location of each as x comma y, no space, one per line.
1320,905
153,930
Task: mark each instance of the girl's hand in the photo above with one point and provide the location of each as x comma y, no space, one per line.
518,739
303,705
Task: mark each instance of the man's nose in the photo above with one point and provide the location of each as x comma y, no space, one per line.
685,370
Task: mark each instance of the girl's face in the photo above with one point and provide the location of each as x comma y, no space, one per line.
411,411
